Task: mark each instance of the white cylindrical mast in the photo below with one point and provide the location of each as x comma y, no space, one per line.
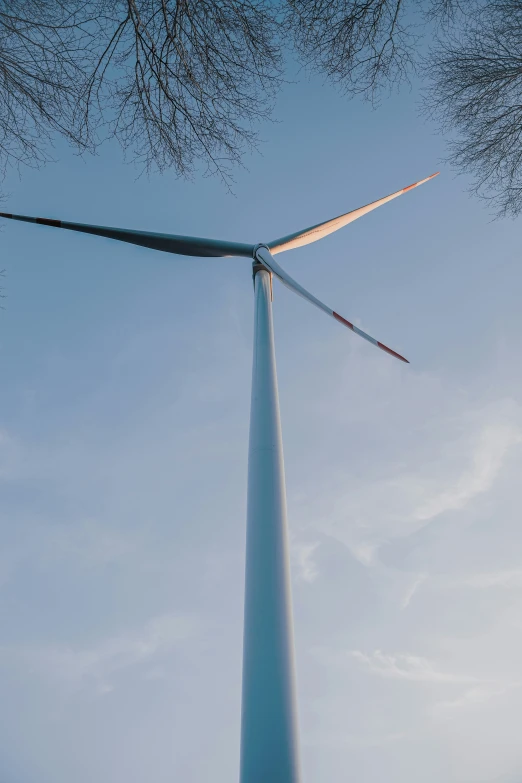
269,739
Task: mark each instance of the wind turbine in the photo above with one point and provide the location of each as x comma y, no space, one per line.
269,740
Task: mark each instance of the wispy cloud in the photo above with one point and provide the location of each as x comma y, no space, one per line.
93,666
502,578
345,739
486,462
456,464
365,551
410,592
479,694
303,557
407,667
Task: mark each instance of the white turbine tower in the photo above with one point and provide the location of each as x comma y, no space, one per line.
269,738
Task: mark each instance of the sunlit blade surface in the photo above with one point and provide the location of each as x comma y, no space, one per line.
169,243
312,234
263,255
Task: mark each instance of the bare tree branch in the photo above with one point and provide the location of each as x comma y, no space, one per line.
362,45
445,13
44,49
185,82
176,81
477,92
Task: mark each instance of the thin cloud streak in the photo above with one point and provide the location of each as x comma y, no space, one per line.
412,590
372,513
487,459
303,556
480,581
92,666
474,697
406,667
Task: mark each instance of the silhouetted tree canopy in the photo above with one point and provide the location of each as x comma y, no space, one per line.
179,82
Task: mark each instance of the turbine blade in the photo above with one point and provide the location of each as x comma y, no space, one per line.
312,234
264,256
169,243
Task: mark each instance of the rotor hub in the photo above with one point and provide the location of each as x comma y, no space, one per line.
257,264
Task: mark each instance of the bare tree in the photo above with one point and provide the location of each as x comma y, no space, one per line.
43,55
360,45
175,81
477,93
183,82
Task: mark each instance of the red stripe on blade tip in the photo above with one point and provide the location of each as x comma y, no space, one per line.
414,185
392,353
342,320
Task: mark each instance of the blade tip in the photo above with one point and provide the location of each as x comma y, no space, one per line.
420,182
385,348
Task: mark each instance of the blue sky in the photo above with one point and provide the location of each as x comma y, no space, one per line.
123,440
